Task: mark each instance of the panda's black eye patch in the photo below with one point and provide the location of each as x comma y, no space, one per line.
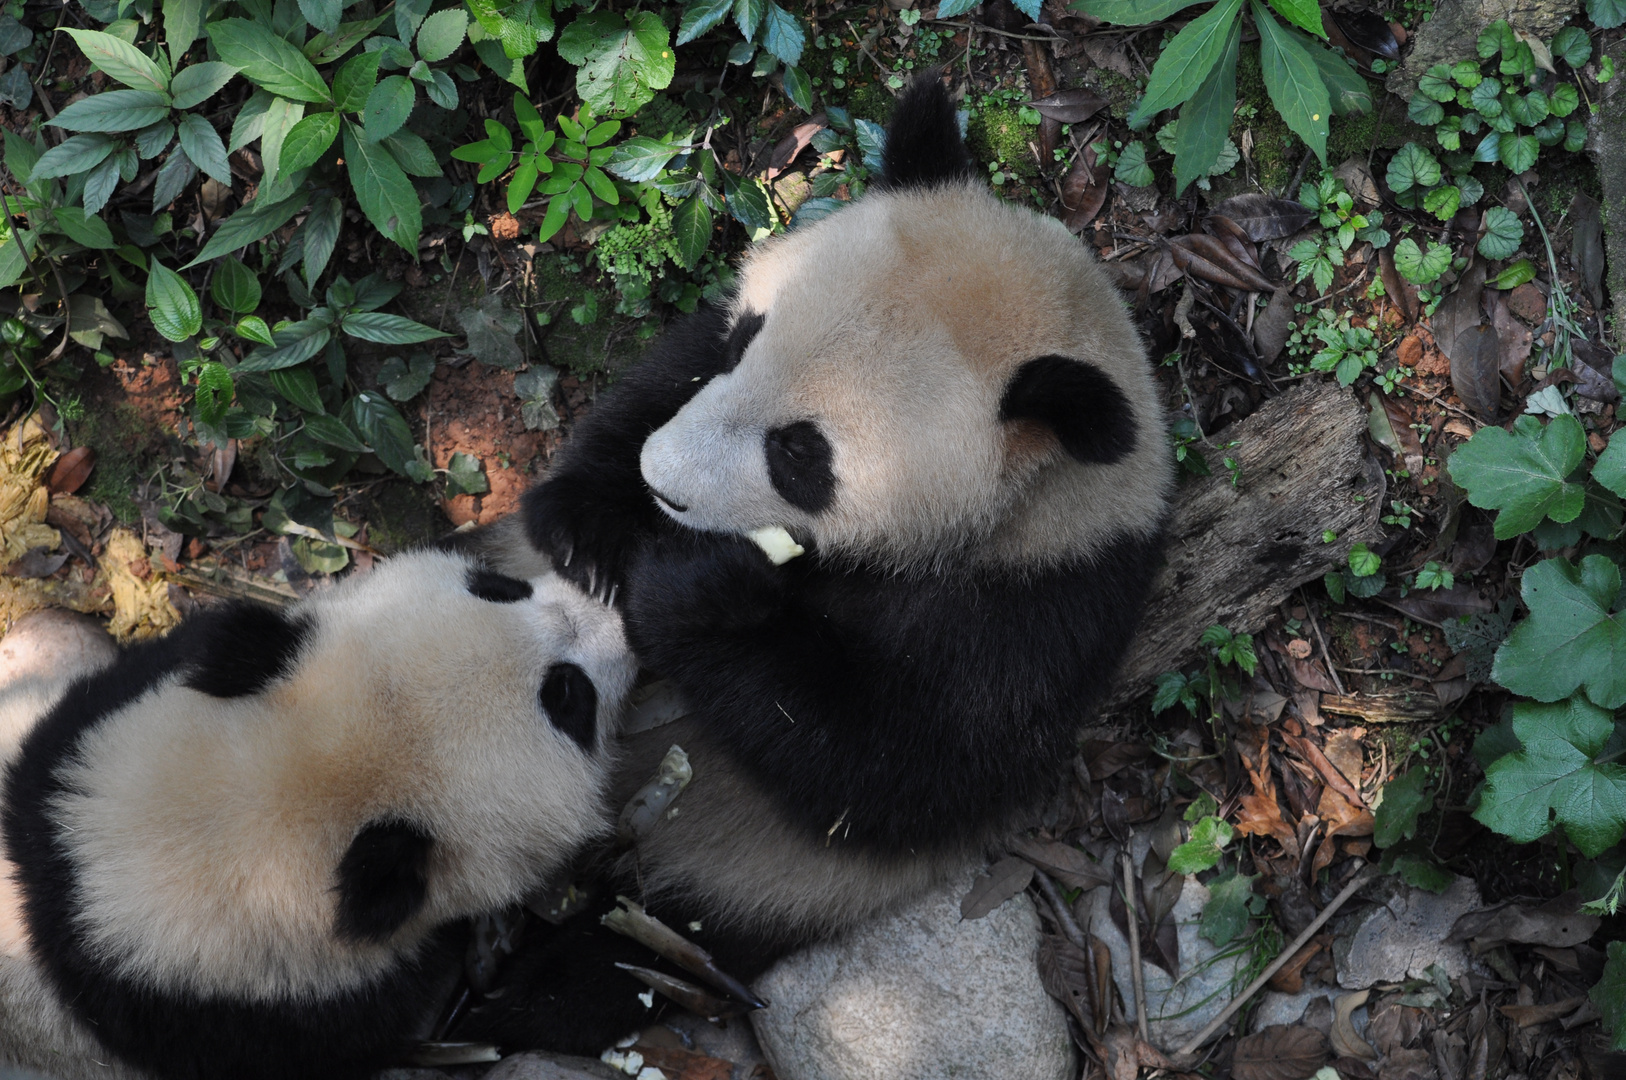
498,588
571,702
739,338
1091,417
799,465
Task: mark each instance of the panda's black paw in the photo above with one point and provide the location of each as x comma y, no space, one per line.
591,538
703,582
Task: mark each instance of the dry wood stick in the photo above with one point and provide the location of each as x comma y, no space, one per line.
1134,947
1360,879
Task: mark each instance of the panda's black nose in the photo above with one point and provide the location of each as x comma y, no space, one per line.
675,507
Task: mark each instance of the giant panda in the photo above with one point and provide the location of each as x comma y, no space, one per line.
249,849
941,398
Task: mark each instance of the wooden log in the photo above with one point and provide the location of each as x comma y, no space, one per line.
1237,551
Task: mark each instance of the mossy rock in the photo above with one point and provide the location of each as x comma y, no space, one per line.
998,134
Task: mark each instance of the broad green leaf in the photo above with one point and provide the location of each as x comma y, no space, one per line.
1228,911
308,140
782,34
252,222
1529,109
412,154
1553,779
12,264
294,345
386,196
332,431
1572,46
602,187
691,228
326,48
298,385
1187,60
1518,152
1565,100
83,228
464,476
1424,110
1610,993
253,328
403,382
174,177
441,34
171,303
319,236
700,16
214,392
1524,473
388,107
504,66
1443,201
1436,83
490,327
322,14
250,122
748,202
120,60
640,158
623,71
748,16
113,110
1412,167
1301,13
1131,12
200,82
266,60
1208,839
948,9
1514,275
1205,120
354,82
281,116
183,22
1610,468
235,287
1402,801
1294,82
799,88
75,154
202,144
384,429
388,329
1574,638
1132,168
1503,232
1421,267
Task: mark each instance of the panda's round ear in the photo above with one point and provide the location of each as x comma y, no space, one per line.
923,143
1090,416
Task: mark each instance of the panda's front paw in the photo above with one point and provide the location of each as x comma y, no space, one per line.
591,541
705,581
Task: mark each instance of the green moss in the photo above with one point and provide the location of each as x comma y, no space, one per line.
1384,128
400,514
1276,150
996,133
602,343
1121,93
128,450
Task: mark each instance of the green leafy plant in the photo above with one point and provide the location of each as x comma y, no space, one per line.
1308,83
1212,683
1361,576
1335,212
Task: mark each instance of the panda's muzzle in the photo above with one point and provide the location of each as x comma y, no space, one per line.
675,507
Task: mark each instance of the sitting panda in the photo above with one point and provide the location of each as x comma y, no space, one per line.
248,849
941,398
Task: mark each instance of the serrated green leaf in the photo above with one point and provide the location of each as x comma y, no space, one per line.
748,202
1421,267
293,345
120,60
1205,120
1130,12
1436,83
388,107
464,476
1187,60
322,14
1610,468
252,222
1412,167
691,229
1132,168
799,88
624,68
1443,201
641,158
183,22
308,140
1346,89
1524,473
1424,110
1565,100
298,385
1294,82
441,34
1208,839
1227,913
198,83
84,229
700,16
333,432
355,81
1305,14
203,145
1503,233
403,381
1553,779
171,303
280,118
213,393
235,287
1573,46
748,16
1575,637
113,110
267,60
782,34
382,189
1402,801
1517,152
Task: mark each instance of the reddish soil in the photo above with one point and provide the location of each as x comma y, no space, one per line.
473,410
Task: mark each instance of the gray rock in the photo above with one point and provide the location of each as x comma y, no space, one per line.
540,1065
918,995
1452,32
1276,1007
1176,1010
1403,934
54,643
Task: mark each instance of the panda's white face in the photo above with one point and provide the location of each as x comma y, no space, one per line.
470,709
868,413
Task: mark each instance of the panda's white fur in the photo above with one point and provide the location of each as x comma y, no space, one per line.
206,830
955,289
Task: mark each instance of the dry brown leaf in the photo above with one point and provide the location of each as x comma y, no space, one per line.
1516,341
1311,754
1531,1015
1345,1043
1265,218
1070,106
1273,326
1549,925
786,149
1407,1065
1203,256
680,1064
1106,758
1344,751
1280,1052
1064,971
1065,863
71,471
1004,879
1396,1027
1084,191
1586,245
1402,292
1234,238
1260,814
1289,978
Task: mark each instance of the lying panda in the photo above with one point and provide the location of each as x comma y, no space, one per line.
245,850
941,398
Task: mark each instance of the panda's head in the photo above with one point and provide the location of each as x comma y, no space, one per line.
311,792
929,373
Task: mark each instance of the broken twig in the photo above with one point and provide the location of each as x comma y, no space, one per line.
1134,946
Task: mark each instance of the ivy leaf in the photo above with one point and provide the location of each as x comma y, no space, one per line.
1187,60
1436,83
1132,168
1503,232
386,196
1574,638
1230,899
119,60
1208,839
1517,152
171,303
1402,801
1553,779
1572,46
1419,267
1412,167
1523,473
1610,993
266,60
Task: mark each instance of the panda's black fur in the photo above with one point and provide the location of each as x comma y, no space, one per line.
860,726
368,934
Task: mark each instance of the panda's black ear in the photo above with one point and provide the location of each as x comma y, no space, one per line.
238,648
1091,417
383,880
923,143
